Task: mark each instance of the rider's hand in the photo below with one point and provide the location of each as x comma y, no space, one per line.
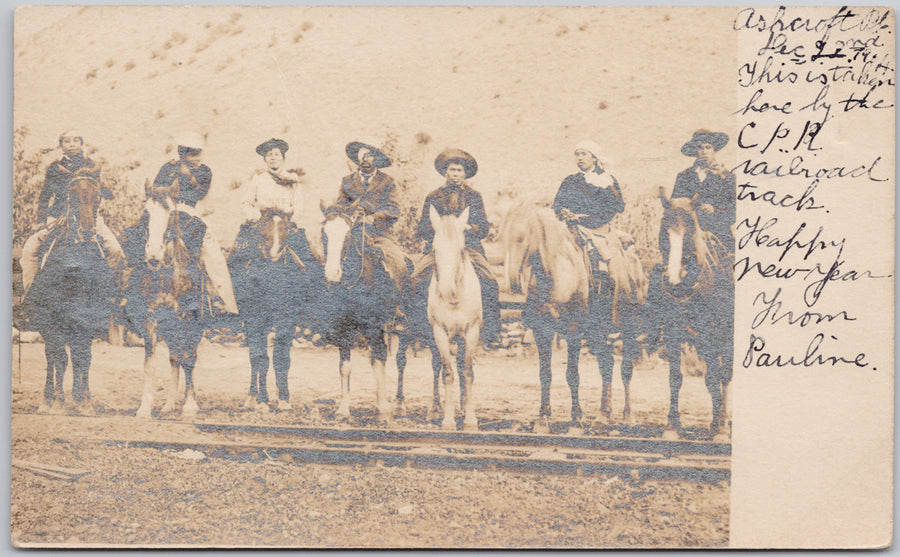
368,219
567,215
707,208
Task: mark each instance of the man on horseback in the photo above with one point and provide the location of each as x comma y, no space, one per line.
710,187
368,197
53,202
587,201
453,197
181,183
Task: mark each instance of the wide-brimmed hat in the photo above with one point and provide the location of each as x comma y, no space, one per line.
191,140
716,139
263,148
455,155
381,160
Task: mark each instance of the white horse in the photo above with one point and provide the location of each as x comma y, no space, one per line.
454,311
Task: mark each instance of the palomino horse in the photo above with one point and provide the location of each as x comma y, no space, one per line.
276,282
693,299
454,311
72,296
544,260
166,303
361,301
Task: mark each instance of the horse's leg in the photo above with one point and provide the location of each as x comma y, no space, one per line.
402,347
605,363
442,341
673,426
543,338
80,344
259,358
188,361
51,353
281,363
461,369
151,347
378,351
437,365
629,348
343,409
573,343
467,379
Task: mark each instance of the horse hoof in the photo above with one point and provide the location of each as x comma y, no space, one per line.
250,403
262,408
541,427
143,413
57,409
400,411
576,429
470,425
671,434
284,406
343,412
85,409
448,425
44,408
168,408
433,415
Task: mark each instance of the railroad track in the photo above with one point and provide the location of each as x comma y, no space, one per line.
637,458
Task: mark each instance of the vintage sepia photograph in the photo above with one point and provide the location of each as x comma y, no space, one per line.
445,277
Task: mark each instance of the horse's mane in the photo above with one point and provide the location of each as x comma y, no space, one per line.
546,237
711,256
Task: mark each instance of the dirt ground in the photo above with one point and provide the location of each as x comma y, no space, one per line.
149,496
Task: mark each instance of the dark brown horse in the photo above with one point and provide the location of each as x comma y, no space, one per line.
692,297
278,284
73,295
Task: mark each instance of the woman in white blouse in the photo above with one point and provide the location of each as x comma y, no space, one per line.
277,189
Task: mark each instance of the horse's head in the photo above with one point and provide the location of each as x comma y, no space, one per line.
531,232
274,232
692,254
449,250
157,224
335,231
84,201
518,235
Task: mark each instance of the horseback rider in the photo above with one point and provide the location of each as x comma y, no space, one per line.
277,189
368,197
587,201
454,196
181,183
274,192
710,186
53,202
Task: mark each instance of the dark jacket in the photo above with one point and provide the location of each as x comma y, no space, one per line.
449,199
378,199
599,205
192,188
719,190
55,193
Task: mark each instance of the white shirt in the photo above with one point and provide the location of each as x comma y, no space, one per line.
266,193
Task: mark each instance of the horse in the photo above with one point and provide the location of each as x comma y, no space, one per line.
166,300
693,298
72,297
361,301
276,283
544,261
454,311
